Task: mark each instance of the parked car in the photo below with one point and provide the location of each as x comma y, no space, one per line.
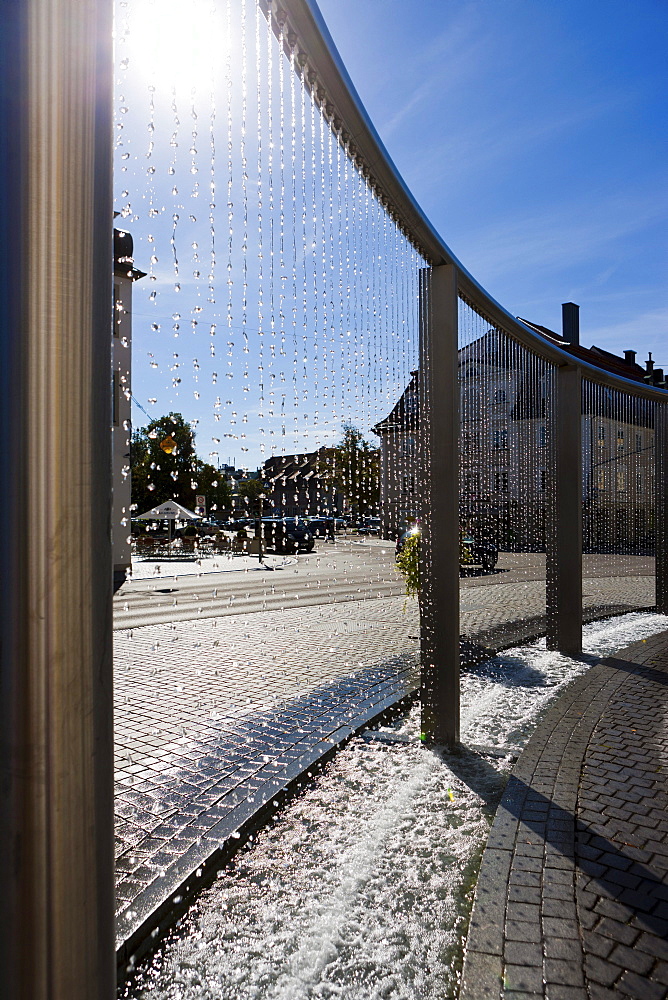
317,526
369,526
286,534
207,527
480,551
236,523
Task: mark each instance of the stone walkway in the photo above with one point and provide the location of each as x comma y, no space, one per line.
572,895
217,719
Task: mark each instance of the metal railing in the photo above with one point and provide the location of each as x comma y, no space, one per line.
299,22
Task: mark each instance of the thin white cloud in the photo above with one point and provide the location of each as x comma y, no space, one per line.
647,331
544,240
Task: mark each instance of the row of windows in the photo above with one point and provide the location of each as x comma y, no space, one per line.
471,481
471,439
639,444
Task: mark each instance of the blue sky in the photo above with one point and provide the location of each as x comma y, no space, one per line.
534,134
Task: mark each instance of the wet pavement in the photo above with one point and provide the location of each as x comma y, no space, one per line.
215,719
572,895
221,713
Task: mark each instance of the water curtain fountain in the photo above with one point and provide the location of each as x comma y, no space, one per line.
303,327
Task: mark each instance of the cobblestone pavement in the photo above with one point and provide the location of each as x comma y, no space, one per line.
572,895
214,715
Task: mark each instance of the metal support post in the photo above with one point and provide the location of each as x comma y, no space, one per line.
564,536
56,735
439,567
661,504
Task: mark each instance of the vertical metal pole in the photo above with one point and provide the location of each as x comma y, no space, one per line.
56,738
439,569
661,504
564,541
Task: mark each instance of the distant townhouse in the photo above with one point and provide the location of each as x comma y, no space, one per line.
505,464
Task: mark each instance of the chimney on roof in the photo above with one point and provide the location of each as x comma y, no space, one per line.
630,357
570,323
657,376
649,364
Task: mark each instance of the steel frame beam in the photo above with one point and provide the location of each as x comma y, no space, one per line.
439,445
564,526
661,506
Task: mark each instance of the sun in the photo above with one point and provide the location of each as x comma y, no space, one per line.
176,45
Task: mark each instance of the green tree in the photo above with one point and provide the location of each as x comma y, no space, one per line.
353,468
253,497
165,466
215,487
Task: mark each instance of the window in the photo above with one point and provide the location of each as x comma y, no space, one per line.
621,480
601,433
620,439
542,480
501,438
638,442
500,396
501,481
470,483
542,436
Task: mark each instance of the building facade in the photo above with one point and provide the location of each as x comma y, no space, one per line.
506,464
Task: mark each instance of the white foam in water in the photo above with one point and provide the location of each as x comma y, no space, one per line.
361,888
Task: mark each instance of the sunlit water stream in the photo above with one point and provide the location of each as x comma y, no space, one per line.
361,888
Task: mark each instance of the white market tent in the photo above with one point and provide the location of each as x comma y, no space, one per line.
171,510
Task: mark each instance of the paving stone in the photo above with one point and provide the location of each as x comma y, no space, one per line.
523,912
561,892
566,972
522,953
559,927
600,971
617,911
563,948
523,978
593,944
660,973
616,931
640,988
522,930
558,991
521,995
598,992
653,945
524,894
482,977
561,909
631,958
